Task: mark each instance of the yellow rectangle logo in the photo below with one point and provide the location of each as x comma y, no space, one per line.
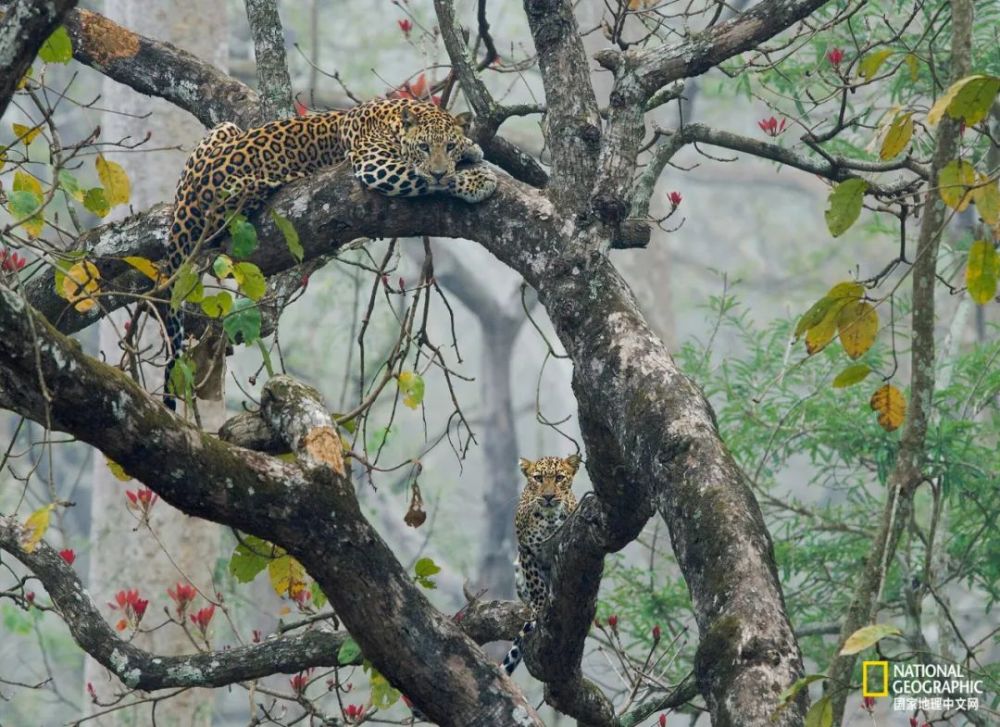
869,685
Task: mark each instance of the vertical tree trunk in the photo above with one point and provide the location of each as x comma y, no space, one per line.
123,556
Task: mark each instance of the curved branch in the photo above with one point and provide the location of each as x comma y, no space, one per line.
309,511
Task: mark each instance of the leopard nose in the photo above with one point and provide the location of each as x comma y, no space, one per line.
548,499
437,175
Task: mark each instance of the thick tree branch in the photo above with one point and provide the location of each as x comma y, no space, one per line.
573,125
161,69
273,82
309,511
24,27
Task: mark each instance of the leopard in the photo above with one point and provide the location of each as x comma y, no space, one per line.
398,147
545,504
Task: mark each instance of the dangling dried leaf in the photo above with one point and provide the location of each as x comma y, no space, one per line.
415,515
890,405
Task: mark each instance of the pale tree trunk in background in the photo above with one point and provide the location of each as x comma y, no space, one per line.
122,557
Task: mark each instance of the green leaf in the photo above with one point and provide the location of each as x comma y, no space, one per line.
968,99
222,268
187,287
218,305
290,234
851,375
69,184
845,205
244,236
982,271
243,324
349,652
250,280
867,636
181,382
798,685
250,558
58,48
411,386
872,62
319,598
821,713
23,203
424,569
812,317
987,198
955,182
96,201
15,620
379,438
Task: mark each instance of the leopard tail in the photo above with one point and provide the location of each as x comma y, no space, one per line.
516,653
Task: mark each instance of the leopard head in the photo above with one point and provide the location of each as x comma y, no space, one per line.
433,143
549,480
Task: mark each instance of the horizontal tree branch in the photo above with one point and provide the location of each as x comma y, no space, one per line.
139,669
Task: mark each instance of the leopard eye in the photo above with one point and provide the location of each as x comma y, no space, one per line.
560,478
537,478
451,146
425,147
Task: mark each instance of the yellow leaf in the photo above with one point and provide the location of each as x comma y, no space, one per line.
147,268
858,326
968,99
889,403
3,157
80,283
117,188
117,470
287,575
24,79
955,182
35,527
867,636
24,182
820,714
987,199
26,134
872,62
820,321
913,63
898,136
982,271
822,333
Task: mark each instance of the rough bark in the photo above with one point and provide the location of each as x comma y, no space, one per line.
23,29
273,83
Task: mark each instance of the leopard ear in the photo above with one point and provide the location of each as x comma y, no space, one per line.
407,117
525,465
574,461
463,120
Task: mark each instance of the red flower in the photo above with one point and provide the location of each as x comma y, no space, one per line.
68,555
416,90
305,281
91,692
10,261
132,606
835,56
300,108
141,500
182,594
300,681
354,712
203,618
657,632
613,622
29,596
771,126
406,26
663,719
675,198
913,722
256,636
868,704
